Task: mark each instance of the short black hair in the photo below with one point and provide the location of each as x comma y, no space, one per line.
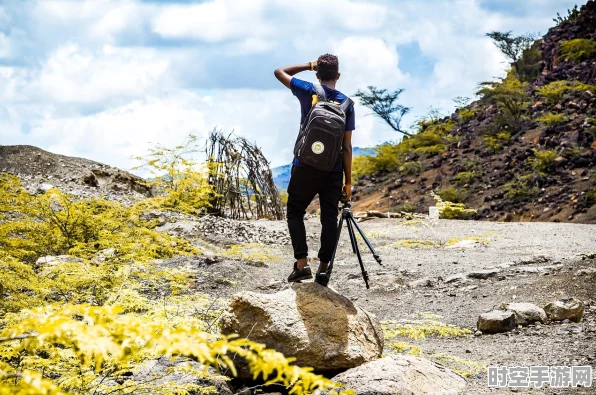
328,67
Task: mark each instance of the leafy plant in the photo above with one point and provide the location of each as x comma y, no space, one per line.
496,143
511,97
543,160
556,90
450,210
523,188
577,50
466,177
514,48
408,208
384,105
552,119
590,197
571,16
452,195
411,168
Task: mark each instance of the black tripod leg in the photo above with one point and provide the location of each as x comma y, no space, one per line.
355,247
370,247
330,266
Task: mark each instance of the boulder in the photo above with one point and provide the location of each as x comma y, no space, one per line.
565,309
525,313
402,374
314,324
496,321
456,279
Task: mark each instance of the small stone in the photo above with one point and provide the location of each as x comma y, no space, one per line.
483,274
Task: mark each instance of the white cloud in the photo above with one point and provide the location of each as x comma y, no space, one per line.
74,74
5,46
212,21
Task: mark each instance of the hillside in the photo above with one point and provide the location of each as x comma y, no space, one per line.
39,169
525,151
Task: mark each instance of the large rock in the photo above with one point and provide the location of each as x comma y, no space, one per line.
565,309
402,375
496,321
316,325
525,313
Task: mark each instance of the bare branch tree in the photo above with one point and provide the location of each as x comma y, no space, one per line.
384,105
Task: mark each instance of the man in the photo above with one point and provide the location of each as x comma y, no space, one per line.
305,181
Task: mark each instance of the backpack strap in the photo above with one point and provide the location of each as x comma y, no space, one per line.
320,92
346,104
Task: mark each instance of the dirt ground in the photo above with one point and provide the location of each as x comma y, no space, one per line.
530,262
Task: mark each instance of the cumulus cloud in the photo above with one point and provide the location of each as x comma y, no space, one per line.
101,78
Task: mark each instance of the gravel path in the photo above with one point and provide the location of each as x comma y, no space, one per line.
525,262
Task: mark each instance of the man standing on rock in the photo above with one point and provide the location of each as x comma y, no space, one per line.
322,155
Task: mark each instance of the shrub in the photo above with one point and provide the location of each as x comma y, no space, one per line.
495,143
552,119
465,177
452,195
410,168
590,197
467,113
79,324
451,210
408,208
543,161
577,50
555,91
510,96
528,66
522,188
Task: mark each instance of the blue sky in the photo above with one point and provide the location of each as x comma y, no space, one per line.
102,79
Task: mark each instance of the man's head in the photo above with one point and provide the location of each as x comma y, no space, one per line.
328,68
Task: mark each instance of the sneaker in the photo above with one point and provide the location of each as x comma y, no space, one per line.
322,279
300,274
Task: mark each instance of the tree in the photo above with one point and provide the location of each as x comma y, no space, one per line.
384,105
513,47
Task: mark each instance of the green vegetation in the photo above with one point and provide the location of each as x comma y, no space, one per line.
577,50
571,16
90,318
497,142
466,177
467,113
590,197
450,210
550,119
411,168
511,97
522,51
522,188
432,139
452,195
556,91
543,160
415,243
408,208
384,105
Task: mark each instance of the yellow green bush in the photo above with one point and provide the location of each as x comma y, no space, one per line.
452,195
497,142
552,119
556,90
577,50
510,95
77,323
543,160
522,188
451,210
466,177
410,168
590,196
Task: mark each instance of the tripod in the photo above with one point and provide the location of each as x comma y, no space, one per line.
348,217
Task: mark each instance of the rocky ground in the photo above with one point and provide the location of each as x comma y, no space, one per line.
465,269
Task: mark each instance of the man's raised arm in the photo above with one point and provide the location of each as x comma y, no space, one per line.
284,74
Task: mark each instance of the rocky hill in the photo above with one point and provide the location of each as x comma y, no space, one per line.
526,151
41,170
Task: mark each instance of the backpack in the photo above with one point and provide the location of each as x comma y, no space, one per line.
321,137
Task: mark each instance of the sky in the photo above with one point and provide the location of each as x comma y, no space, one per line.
105,79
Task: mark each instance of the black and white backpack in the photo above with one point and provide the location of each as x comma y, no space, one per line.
321,136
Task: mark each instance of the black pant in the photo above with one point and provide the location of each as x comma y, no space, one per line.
305,183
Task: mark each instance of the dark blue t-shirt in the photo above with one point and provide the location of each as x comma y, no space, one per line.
307,95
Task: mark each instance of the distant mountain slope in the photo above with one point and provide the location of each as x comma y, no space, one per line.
281,174
538,165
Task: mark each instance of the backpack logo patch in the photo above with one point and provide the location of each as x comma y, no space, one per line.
318,147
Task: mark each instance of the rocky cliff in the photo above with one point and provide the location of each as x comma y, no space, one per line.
544,169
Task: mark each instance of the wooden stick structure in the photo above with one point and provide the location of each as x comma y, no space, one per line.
241,179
